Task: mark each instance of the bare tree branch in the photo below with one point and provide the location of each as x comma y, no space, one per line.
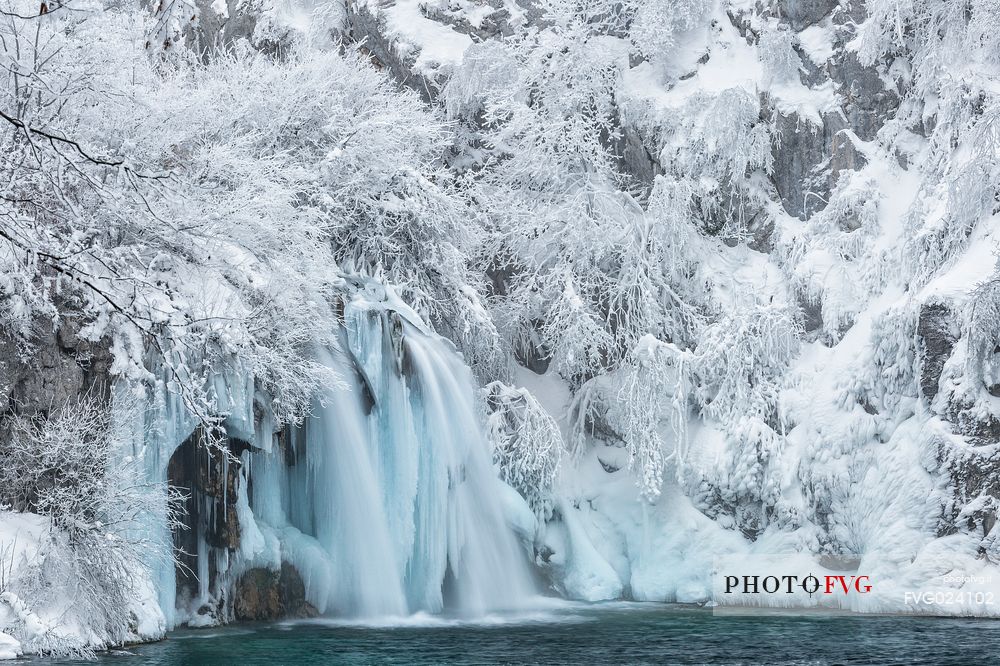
53,138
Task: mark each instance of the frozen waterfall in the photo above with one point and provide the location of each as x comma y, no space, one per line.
398,488
385,499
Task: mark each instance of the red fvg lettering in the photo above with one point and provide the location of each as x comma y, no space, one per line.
846,583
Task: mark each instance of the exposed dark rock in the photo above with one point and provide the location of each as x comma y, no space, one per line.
224,29
867,102
209,475
804,13
495,24
798,149
596,424
610,468
262,594
761,235
544,553
49,379
55,368
810,316
850,12
808,160
368,30
636,158
937,331
839,562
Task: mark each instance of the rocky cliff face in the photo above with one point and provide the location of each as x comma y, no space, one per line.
52,367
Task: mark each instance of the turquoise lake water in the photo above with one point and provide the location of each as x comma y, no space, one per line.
598,634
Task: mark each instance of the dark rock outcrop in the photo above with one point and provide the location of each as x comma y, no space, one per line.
262,594
867,101
804,13
57,367
809,159
937,331
368,30
495,24
208,474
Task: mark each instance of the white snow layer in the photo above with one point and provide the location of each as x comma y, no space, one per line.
24,625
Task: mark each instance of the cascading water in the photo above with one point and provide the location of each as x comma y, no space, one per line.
403,493
401,480
391,505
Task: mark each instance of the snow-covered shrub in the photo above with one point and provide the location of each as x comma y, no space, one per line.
653,395
660,287
929,40
982,331
970,379
489,70
741,358
959,193
885,374
885,29
469,325
92,568
579,342
718,144
777,57
742,488
642,406
527,444
657,24
834,261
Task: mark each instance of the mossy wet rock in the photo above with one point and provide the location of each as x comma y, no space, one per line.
262,594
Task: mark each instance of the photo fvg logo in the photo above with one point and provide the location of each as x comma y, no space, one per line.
789,583
810,584
800,583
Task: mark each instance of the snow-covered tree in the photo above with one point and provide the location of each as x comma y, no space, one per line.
657,24
654,397
527,444
741,359
957,114
203,210
70,467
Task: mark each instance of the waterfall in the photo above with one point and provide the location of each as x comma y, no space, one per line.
386,499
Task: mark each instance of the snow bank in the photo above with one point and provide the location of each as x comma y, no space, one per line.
20,536
48,619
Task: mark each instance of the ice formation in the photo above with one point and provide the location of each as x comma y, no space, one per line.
384,499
